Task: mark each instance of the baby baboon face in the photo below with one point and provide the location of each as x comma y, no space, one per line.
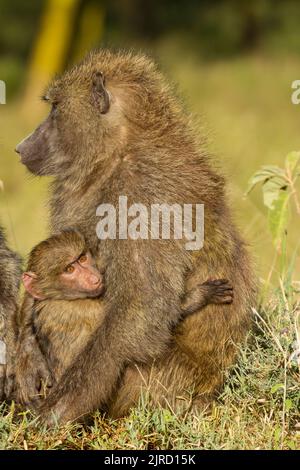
63,268
81,278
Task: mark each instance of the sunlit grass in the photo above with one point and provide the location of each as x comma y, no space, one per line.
258,409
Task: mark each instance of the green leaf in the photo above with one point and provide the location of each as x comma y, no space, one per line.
277,435
271,191
292,161
266,173
291,445
273,170
288,404
276,387
278,217
254,180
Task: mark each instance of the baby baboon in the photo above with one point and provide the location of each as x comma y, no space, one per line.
61,270
10,275
116,129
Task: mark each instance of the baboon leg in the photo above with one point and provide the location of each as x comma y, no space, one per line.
169,383
177,382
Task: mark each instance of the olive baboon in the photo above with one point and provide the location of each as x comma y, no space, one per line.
116,129
10,275
60,270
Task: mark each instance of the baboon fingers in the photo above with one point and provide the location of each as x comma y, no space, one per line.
217,283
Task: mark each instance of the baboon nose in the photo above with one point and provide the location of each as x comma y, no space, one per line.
96,280
21,147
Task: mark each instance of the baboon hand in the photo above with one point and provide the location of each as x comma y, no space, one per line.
33,380
58,414
219,291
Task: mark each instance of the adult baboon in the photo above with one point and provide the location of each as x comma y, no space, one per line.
10,275
64,304
115,129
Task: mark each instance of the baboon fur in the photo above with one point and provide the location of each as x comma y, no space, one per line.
60,326
143,147
10,273
62,319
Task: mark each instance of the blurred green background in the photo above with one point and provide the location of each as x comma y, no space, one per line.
233,62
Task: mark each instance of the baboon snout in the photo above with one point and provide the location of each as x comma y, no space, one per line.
95,279
34,150
22,146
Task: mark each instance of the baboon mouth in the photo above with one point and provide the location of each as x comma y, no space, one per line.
99,290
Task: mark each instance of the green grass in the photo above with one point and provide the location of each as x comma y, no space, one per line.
245,108
258,409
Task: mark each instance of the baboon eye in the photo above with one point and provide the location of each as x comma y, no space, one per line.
82,258
70,269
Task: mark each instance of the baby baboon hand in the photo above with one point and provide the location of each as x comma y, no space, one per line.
212,291
33,378
219,291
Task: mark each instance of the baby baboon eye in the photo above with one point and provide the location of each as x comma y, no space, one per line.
70,269
83,258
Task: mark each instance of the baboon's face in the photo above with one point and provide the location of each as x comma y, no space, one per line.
73,128
39,151
94,108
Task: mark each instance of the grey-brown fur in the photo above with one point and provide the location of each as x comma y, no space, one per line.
10,272
32,371
60,327
142,147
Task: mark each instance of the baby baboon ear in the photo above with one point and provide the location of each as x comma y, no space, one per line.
29,279
100,95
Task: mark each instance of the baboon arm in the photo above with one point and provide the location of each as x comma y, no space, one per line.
217,291
194,301
31,367
90,382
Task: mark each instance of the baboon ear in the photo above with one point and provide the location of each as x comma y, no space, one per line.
100,94
28,279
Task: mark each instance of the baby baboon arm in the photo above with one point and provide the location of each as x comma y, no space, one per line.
217,291
31,368
125,336
31,371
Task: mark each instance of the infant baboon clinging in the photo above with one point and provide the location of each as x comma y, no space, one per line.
116,129
61,270
10,274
